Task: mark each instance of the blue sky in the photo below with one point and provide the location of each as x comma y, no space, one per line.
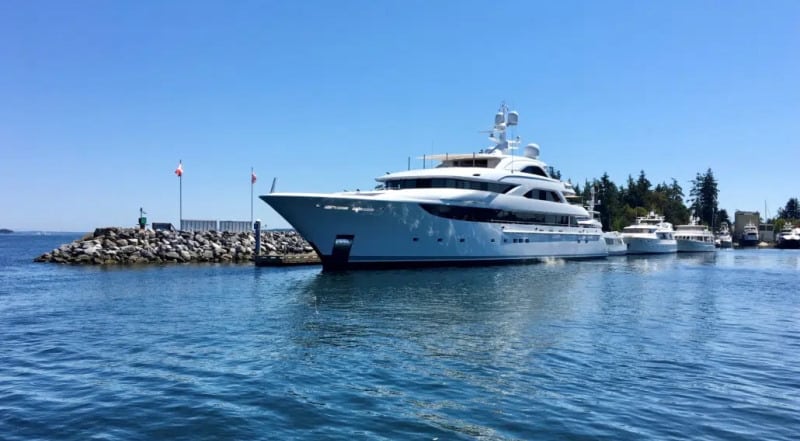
99,100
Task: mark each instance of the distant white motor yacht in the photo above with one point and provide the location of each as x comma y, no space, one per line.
491,206
788,238
694,238
650,235
724,239
749,236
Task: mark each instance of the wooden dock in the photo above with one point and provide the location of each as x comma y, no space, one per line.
287,259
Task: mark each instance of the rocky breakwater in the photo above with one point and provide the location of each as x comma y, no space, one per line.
122,246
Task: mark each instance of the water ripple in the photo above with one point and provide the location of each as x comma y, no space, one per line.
675,347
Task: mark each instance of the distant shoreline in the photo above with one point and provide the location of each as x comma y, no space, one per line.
5,231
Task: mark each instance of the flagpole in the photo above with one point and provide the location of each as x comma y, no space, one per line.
180,202
251,195
180,197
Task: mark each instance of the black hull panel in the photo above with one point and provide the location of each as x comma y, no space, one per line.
788,245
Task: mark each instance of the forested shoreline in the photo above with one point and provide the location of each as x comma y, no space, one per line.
619,205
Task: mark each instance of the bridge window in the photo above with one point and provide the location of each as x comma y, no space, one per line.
543,195
534,170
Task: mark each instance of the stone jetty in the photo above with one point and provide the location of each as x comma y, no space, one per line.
124,246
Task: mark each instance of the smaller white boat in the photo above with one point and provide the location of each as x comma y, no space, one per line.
693,238
614,242
749,236
724,239
788,238
650,235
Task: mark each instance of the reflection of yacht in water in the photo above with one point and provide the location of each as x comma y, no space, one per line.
485,207
724,239
650,235
694,237
749,236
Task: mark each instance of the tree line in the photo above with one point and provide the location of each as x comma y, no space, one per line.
620,205
789,214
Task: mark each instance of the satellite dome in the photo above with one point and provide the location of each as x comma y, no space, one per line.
513,118
532,151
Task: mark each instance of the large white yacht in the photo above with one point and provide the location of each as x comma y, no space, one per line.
650,235
490,206
694,238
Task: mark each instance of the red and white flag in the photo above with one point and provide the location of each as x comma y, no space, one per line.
253,177
179,170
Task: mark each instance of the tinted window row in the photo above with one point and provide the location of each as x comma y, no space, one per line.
482,163
495,187
477,214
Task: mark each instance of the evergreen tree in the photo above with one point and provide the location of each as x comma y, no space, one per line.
791,211
668,199
722,216
642,187
609,196
703,198
636,194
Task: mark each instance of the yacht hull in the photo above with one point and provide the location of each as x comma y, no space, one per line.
638,245
615,244
788,244
748,242
352,232
694,246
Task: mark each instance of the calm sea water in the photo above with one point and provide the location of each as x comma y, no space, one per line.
674,347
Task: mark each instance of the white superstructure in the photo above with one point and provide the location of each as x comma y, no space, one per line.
650,235
724,239
749,236
694,238
488,206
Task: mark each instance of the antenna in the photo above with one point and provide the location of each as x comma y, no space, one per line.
272,188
